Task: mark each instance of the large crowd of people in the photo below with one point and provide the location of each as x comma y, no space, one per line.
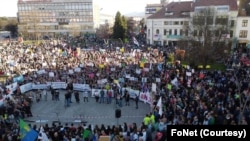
189,96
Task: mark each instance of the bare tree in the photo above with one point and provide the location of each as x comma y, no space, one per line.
207,37
104,31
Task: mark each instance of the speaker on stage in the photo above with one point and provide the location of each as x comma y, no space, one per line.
118,113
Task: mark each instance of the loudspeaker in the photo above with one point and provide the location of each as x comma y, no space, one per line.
118,113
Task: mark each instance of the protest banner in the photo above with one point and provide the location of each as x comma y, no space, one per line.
26,87
58,85
12,87
81,87
40,86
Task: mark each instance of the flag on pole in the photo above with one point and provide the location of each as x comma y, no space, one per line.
136,42
159,104
27,133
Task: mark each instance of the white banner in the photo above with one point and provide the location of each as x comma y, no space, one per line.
26,87
81,87
58,85
40,86
146,97
12,87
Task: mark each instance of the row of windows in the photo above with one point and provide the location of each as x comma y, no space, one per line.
243,33
171,32
54,20
56,27
55,14
175,22
55,6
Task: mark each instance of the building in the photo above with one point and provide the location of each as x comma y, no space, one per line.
243,25
152,9
167,26
107,19
37,18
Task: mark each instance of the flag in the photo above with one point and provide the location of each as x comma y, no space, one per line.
42,136
27,133
159,104
136,42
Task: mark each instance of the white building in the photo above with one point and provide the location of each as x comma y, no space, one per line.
166,26
55,17
107,19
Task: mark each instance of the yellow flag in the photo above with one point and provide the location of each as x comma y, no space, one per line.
122,49
141,64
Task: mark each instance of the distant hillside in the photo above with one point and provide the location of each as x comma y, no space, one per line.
135,14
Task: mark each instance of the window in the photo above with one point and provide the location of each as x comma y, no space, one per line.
186,32
200,33
231,33
185,22
165,32
210,20
243,34
176,22
170,32
244,23
221,20
166,22
175,32
157,31
232,23
195,33
181,32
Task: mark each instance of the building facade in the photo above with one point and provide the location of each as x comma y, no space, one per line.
243,25
168,25
55,17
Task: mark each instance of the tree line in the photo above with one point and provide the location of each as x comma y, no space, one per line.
9,24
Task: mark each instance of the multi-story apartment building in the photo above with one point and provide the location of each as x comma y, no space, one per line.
167,26
55,17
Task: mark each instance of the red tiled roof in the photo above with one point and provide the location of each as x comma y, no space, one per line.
176,7
232,3
188,6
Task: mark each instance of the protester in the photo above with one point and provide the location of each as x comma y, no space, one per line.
183,95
